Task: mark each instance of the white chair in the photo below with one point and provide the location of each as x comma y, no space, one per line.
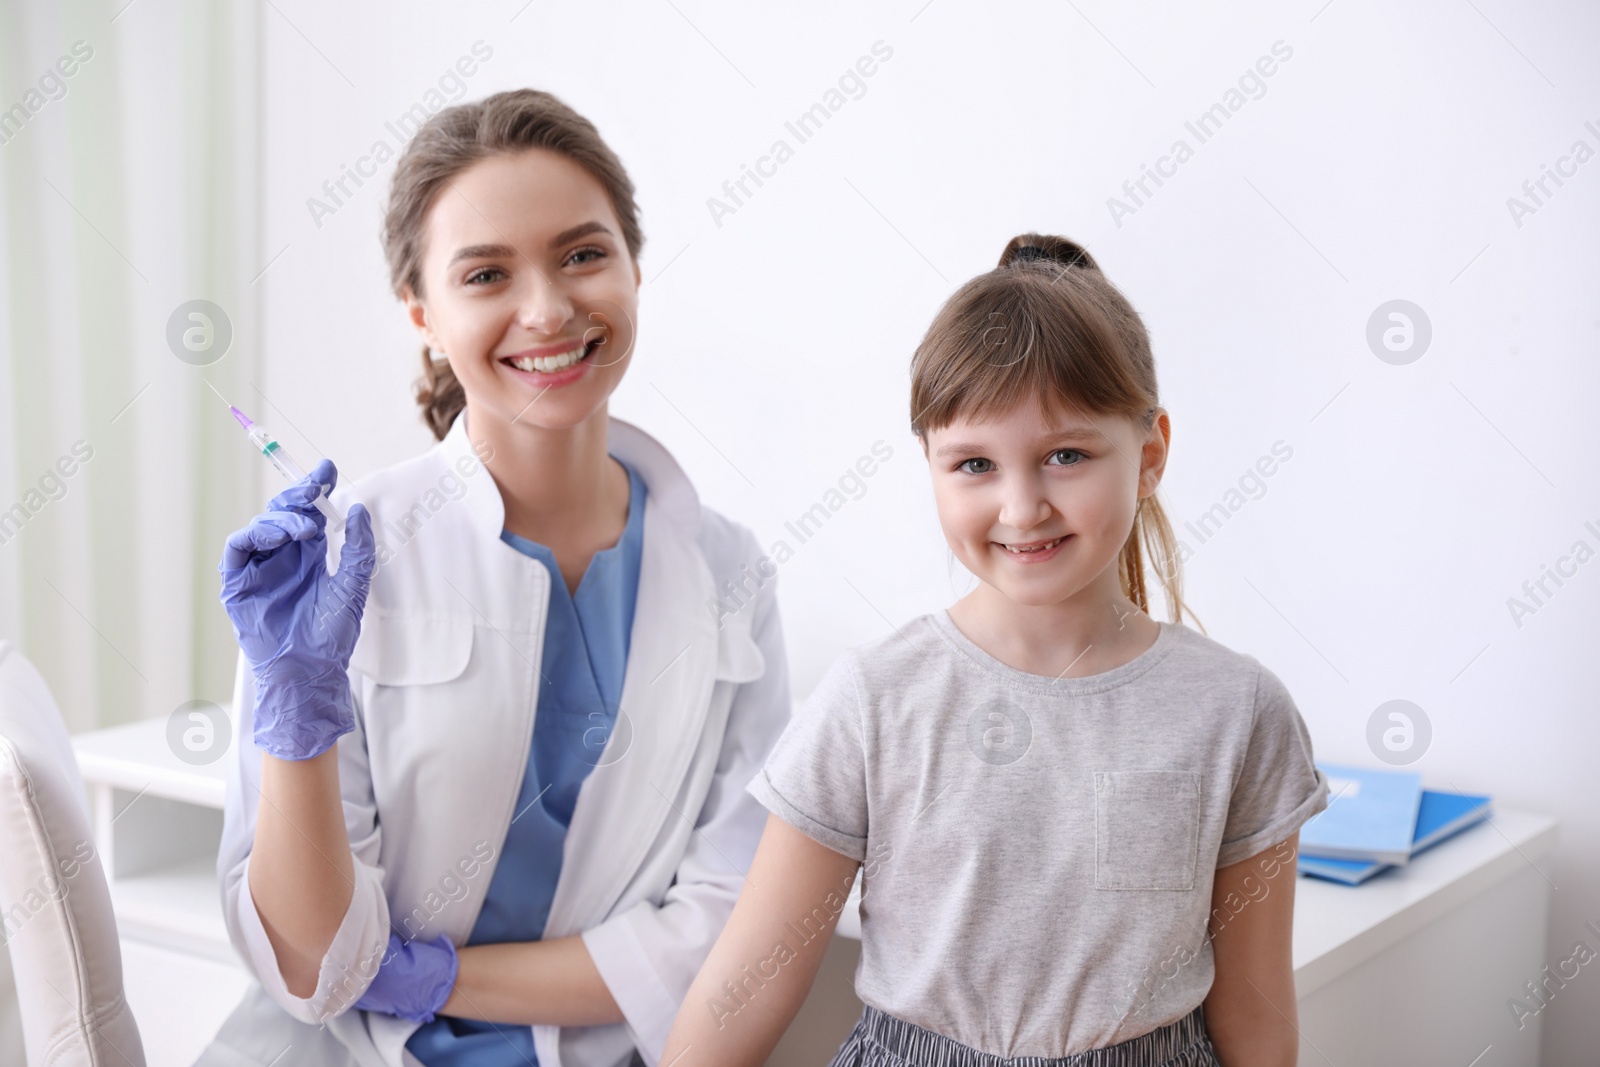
54,904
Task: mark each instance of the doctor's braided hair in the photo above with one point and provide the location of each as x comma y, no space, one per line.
447,144
1046,324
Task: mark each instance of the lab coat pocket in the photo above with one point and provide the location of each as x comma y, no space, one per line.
417,697
412,649
1146,829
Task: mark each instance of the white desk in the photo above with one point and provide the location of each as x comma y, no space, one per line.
1414,967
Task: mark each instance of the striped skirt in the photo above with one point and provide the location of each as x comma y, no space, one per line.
883,1040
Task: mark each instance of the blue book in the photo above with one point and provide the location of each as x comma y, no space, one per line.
1371,815
1442,815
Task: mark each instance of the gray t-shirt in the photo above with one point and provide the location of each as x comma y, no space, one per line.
1037,853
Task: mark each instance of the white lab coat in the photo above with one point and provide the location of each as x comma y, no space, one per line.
443,677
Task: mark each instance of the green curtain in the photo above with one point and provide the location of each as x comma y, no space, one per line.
130,187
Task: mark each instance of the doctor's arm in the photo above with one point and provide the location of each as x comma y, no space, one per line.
1251,1010
551,982
301,873
316,964
301,893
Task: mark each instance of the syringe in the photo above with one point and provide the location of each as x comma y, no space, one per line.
285,463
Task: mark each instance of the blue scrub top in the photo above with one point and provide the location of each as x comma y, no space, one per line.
585,656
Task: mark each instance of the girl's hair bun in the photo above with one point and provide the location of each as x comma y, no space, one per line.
1049,248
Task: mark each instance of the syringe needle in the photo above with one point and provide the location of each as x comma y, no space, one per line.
279,457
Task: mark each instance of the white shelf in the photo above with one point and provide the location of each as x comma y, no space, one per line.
135,757
159,859
176,907
156,823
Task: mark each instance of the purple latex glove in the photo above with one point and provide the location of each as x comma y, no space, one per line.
296,623
414,980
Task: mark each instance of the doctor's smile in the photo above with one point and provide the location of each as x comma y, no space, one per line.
550,358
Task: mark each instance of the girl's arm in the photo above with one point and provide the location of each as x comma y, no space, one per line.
1250,1011
760,969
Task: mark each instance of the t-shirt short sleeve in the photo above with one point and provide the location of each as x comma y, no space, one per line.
1279,787
815,776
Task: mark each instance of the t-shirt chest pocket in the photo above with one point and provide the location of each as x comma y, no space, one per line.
1146,829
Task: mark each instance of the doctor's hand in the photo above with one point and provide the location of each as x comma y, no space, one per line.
297,624
414,980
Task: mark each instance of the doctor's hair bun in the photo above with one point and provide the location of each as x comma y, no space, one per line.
1048,249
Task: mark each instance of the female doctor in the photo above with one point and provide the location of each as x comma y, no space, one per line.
492,810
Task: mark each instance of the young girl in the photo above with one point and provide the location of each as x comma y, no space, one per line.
1078,824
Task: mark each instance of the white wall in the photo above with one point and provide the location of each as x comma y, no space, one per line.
1376,165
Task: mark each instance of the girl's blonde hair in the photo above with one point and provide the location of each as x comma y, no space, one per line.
1046,324
450,142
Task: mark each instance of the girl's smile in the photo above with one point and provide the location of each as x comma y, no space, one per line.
1035,551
